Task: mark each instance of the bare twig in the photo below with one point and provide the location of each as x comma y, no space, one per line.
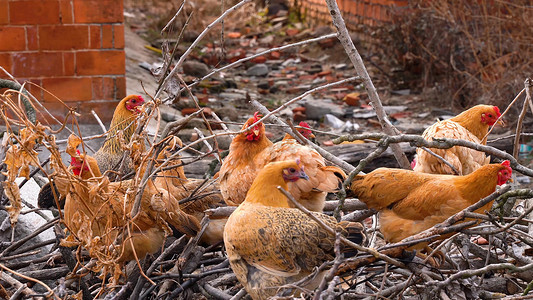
357,61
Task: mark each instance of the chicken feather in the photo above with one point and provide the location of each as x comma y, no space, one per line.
411,202
471,125
270,244
250,152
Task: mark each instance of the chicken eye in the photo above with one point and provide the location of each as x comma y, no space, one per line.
490,115
292,170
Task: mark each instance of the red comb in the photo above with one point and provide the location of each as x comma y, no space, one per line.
506,163
304,124
497,110
140,98
257,116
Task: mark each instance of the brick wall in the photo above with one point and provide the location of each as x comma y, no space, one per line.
354,12
72,48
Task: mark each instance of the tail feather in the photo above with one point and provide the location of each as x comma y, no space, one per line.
354,232
58,187
331,179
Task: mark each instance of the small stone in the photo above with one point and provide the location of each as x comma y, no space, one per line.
259,60
189,110
263,85
234,35
169,114
299,116
195,68
341,67
292,31
267,40
228,112
257,70
352,99
275,55
315,69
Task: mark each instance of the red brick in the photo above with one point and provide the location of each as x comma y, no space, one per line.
95,39
69,65
34,12
66,16
5,62
32,36
4,16
103,88
74,37
37,64
107,36
100,62
118,36
68,88
13,38
120,85
98,11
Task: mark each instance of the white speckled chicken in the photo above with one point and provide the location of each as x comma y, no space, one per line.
471,125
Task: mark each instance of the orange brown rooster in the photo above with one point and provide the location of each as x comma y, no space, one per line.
109,155
411,202
251,151
270,244
471,125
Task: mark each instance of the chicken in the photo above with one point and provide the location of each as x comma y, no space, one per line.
411,202
196,194
471,125
96,213
239,169
109,155
250,152
270,244
122,125
307,133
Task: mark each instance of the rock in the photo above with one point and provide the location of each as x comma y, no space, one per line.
259,60
267,40
333,121
228,112
340,66
352,99
323,30
231,96
170,114
195,68
257,70
316,109
263,85
315,69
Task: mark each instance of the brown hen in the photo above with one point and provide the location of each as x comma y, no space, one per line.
251,151
96,213
411,202
270,244
108,156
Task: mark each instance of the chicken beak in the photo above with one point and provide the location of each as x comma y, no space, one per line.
510,180
312,137
303,175
501,122
256,132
